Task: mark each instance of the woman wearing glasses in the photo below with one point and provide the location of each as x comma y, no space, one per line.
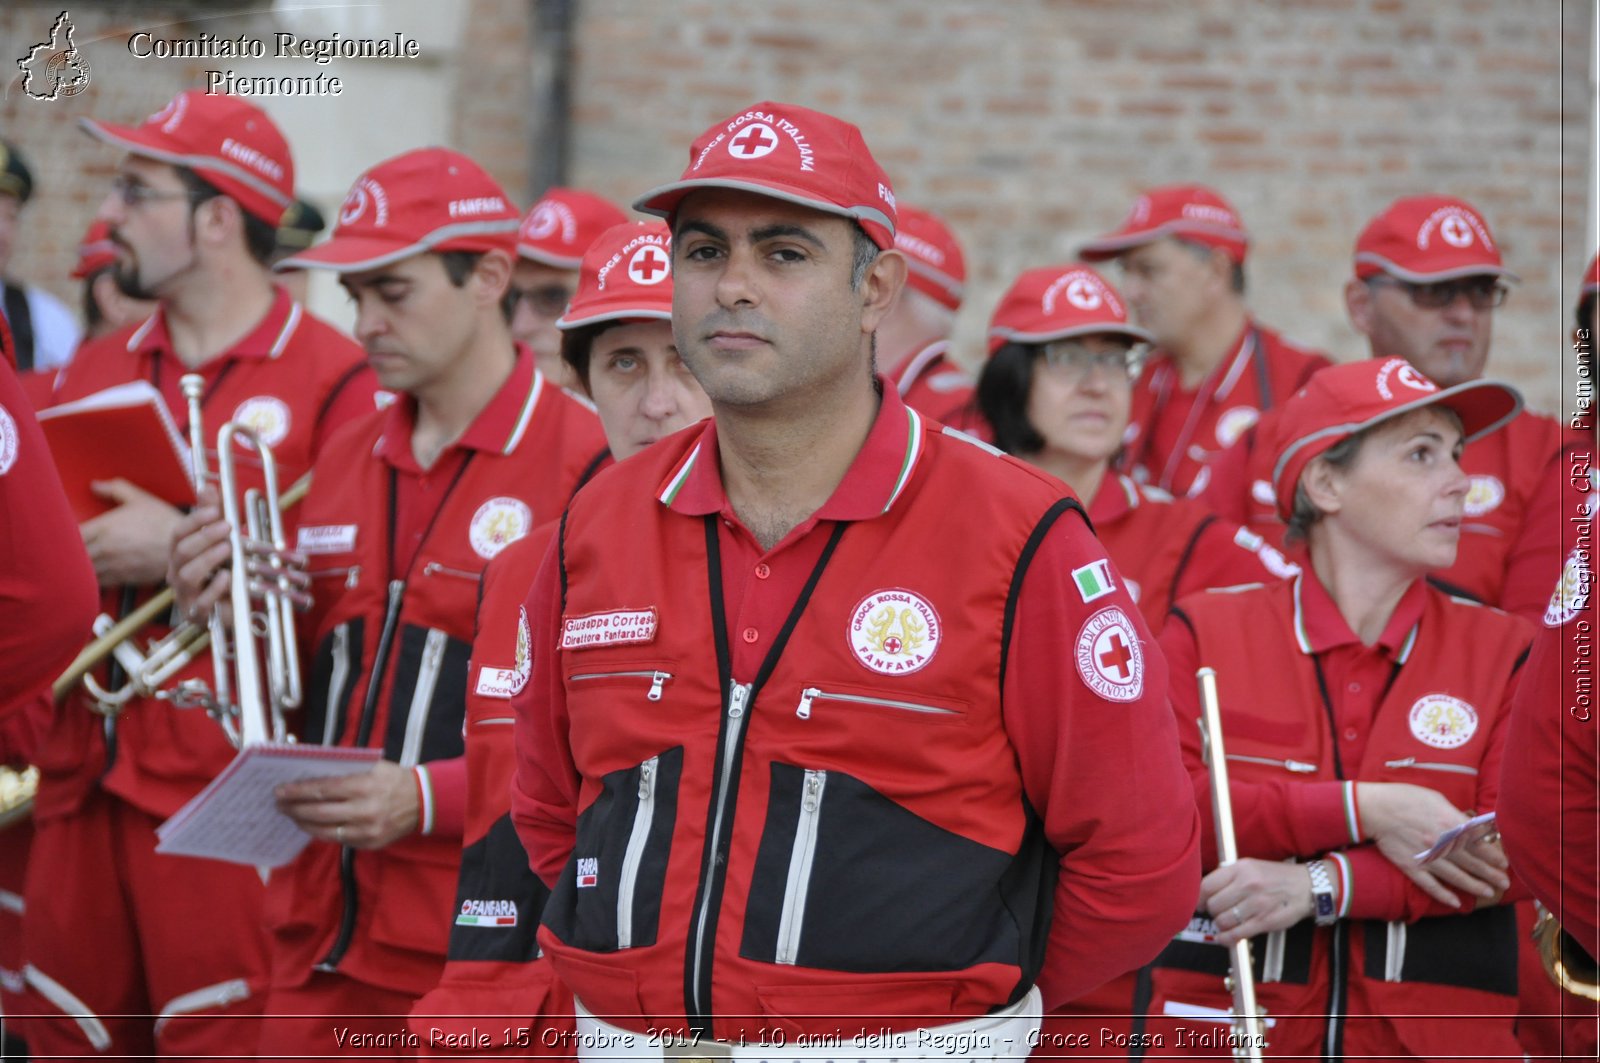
1057,391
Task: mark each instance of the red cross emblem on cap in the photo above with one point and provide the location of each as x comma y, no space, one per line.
757,140
1117,656
1456,231
1082,294
648,266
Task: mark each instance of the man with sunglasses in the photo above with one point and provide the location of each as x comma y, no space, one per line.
133,952
1428,278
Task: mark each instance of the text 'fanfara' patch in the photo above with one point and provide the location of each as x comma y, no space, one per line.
1571,593
507,682
8,441
894,631
1443,722
1109,657
613,628
326,538
487,913
498,523
265,415
1484,495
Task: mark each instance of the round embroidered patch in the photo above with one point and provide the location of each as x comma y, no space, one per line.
1484,495
1442,721
524,658
1234,423
498,523
8,441
1110,660
265,415
894,631
1571,593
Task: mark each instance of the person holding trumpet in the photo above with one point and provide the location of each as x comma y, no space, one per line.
177,955
1364,714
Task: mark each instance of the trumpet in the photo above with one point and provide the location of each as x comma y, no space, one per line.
1564,960
1249,1021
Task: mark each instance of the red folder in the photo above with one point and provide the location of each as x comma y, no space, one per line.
125,431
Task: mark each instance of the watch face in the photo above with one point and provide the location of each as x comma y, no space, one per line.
1324,905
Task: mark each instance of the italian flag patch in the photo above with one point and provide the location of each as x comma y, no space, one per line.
1094,580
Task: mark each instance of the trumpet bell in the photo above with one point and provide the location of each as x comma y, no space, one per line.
17,790
1564,960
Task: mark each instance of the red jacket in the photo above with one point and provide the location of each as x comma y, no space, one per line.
1167,548
932,384
864,778
297,380
1424,705
388,665
1174,434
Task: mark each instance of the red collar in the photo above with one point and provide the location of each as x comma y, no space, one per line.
1117,496
1319,626
1223,376
920,362
875,479
267,340
497,429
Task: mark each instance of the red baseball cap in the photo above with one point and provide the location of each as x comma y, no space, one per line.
626,273
1341,400
790,153
95,251
935,265
228,141
428,200
1058,302
1188,212
1423,239
562,225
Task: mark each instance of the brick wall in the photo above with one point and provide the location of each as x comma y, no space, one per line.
1031,124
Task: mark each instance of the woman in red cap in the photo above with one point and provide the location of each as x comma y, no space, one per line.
1057,390
1364,714
617,343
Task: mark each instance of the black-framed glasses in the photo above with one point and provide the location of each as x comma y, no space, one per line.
1073,360
136,193
547,300
1484,293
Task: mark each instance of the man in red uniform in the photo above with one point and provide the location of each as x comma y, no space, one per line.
800,804
408,506
914,339
173,969
1214,368
550,245
1428,277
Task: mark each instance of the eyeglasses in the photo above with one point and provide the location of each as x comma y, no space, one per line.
134,194
547,301
1071,361
1484,293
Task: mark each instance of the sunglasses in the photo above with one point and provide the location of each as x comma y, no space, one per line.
1483,293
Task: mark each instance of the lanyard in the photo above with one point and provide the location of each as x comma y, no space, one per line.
394,507
1333,720
1208,388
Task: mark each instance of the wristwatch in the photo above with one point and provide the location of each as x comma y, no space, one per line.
1324,911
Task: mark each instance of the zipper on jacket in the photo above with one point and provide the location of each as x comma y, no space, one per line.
800,860
642,817
336,681
1424,765
738,694
657,679
347,855
1298,766
1333,1042
422,696
433,568
810,694
352,574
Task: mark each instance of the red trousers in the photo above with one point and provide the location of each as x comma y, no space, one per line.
133,953
331,1017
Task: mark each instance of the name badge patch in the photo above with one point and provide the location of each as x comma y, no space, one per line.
326,539
614,628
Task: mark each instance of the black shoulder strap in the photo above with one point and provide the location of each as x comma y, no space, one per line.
21,320
1185,557
1029,549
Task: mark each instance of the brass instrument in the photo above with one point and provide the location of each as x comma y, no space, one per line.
17,788
1249,1021
1564,960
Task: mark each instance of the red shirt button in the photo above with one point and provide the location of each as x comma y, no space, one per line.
751,634
763,571
1355,688
1351,734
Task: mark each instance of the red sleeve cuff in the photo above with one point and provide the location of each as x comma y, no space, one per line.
1324,816
442,797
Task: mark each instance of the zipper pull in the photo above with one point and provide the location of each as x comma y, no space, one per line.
646,779
430,568
1406,763
736,700
807,696
1300,766
352,577
655,685
813,790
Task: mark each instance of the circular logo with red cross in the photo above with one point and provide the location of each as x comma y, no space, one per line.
1110,660
649,265
8,441
543,222
1455,231
753,141
894,631
1084,294
1484,495
265,415
497,524
1568,600
366,195
1442,721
